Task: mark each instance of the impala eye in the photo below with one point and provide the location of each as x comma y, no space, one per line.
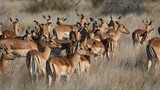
89,49
81,48
7,53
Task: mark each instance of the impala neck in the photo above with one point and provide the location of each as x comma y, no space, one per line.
76,58
115,26
101,34
117,35
16,27
46,52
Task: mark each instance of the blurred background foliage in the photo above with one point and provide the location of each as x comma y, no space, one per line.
105,7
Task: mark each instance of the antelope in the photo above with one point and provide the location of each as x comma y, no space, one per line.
63,66
98,49
43,28
49,21
101,28
60,21
110,43
113,23
9,33
36,61
19,47
62,31
95,24
152,49
136,34
5,55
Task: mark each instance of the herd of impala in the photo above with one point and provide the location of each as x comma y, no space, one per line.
79,41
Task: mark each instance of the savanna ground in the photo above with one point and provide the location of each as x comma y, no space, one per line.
126,72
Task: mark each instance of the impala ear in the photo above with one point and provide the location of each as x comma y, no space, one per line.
146,20
64,19
151,22
82,15
49,16
91,19
29,28
36,22
144,34
10,19
119,17
117,23
143,21
111,17
151,30
94,44
44,17
17,20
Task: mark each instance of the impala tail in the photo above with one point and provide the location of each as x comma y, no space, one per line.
134,38
54,33
33,65
110,49
50,68
151,53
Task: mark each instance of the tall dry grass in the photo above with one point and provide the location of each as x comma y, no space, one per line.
126,72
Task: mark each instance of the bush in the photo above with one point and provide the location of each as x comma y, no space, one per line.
123,7
44,5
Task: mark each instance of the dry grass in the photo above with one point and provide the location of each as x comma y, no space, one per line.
127,72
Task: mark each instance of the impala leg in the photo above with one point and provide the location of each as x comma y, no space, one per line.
58,77
87,67
68,77
113,52
49,80
157,64
78,69
37,77
149,64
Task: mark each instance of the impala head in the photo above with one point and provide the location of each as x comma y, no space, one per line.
148,24
103,24
80,49
52,43
7,54
15,23
95,23
49,19
146,36
113,21
122,28
43,28
83,19
60,21
33,32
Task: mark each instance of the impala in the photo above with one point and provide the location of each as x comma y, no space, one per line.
100,29
136,34
152,49
60,21
113,23
63,66
36,61
110,43
19,47
49,21
43,28
9,33
5,55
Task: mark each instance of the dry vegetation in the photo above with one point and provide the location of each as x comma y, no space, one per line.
127,72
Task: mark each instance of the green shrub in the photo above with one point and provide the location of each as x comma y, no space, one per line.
44,5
